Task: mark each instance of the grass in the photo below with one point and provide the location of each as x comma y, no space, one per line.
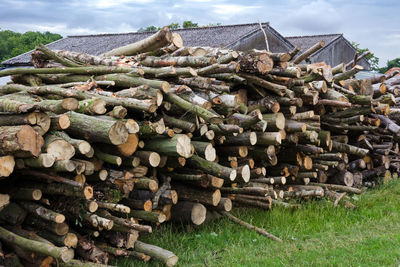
316,235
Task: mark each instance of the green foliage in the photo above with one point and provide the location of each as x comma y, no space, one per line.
315,235
390,64
13,43
214,24
149,29
174,26
371,58
189,24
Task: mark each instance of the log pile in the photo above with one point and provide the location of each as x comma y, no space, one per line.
97,149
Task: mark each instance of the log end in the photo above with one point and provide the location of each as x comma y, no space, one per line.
71,240
198,215
67,255
7,164
172,261
60,149
245,173
307,163
253,138
232,175
88,192
129,147
92,206
70,104
132,126
154,159
165,87
59,218
84,147
63,121
99,106
210,153
183,147
36,194
216,197
177,40
147,206
30,140
118,133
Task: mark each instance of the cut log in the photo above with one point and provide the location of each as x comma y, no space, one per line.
64,254
205,197
97,130
179,145
22,141
160,39
43,212
309,52
343,178
250,227
166,257
7,164
189,212
213,168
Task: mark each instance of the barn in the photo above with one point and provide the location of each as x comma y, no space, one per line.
239,37
337,49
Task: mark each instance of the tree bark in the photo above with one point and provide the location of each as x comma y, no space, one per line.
64,254
166,257
250,227
97,130
160,39
189,212
179,145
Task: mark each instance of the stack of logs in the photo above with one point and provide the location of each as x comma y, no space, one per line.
97,148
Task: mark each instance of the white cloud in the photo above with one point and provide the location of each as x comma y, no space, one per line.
231,9
372,23
319,16
102,4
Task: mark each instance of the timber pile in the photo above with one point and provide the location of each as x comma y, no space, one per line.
97,148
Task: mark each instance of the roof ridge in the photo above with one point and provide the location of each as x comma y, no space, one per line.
183,29
315,35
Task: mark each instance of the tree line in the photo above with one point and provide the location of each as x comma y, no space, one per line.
14,43
175,25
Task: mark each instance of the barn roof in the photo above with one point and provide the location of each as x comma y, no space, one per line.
307,41
215,36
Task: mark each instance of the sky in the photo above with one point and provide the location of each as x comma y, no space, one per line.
373,24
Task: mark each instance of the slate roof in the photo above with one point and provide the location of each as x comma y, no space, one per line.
307,41
215,36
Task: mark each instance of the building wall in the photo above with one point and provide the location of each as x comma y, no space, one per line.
257,41
336,53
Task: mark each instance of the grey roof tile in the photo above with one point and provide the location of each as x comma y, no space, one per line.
215,36
307,41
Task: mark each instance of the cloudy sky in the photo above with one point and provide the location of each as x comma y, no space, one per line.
372,23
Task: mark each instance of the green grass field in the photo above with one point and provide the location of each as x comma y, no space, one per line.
315,235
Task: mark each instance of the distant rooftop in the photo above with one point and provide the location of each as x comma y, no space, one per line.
309,40
215,36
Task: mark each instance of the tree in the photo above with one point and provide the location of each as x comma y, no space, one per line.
173,26
390,64
189,24
149,29
371,58
214,24
14,43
